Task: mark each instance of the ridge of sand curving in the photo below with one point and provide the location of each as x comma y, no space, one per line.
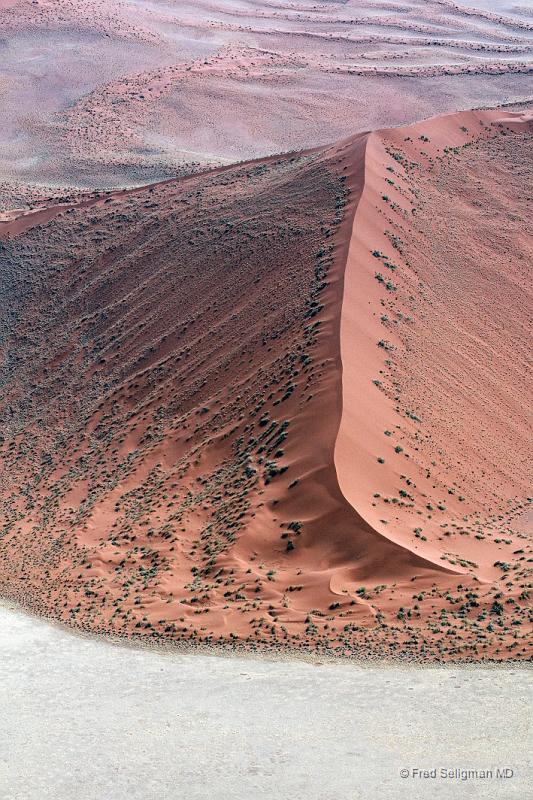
180,458
391,309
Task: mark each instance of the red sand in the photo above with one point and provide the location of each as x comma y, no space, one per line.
193,439
480,435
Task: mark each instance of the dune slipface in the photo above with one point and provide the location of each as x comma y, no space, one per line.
254,406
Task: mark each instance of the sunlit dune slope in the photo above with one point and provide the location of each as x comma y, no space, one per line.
435,338
192,439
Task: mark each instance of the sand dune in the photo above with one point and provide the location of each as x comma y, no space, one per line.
444,296
196,390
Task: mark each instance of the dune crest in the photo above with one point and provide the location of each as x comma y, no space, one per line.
196,392
380,269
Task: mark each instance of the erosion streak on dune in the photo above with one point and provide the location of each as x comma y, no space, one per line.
195,389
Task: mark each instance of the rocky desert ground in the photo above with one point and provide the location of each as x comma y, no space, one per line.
109,93
138,724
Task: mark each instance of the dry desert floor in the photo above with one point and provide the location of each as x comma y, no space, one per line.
84,718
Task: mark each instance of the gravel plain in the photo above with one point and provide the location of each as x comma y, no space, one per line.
86,719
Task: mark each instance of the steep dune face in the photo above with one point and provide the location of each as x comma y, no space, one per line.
171,388
437,284
188,410
435,333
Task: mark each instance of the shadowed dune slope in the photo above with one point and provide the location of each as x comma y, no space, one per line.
184,454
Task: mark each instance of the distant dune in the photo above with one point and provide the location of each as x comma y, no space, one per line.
106,93
283,403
